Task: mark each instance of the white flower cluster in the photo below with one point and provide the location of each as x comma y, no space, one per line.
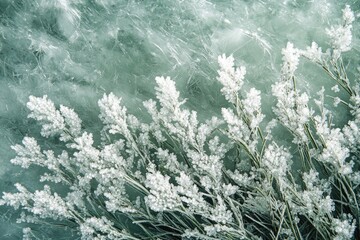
344,228
292,109
313,53
243,125
64,122
231,78
28,154
47,205
252,107
237,127
27,234
277,160
190,195
290,61
101,228
352,136
341,35
334,151
316,202
163,195
42,204
220,213
113,115
184,126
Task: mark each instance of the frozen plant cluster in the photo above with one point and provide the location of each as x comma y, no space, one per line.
175,177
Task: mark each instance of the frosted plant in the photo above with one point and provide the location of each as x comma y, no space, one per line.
290,61
292,107
64,121
344,228
230,77
277,160
341,34
163,195
313,53
175,177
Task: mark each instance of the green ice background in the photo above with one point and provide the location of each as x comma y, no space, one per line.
76,50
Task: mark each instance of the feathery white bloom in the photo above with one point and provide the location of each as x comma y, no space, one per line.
290,60
65,122
335,88
276,160
27,234
100,228
28,154
242,179
44,111
163,195
252,107
229,189
336,101
75,198
19,199
113,115
313,53
216,229
352,136
237,127
169,160
167,94
230,77
292,106
334,151
190,195
341,35
220,213
86,152
355,107
218,148
316,200
292,109
344,228
209,165
183,125
348,15
73,122
47,205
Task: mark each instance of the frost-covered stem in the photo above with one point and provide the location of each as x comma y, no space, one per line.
345,180
323,231
236,213
136,185
311,137
305,157
281,222
293,226
338,78
242,114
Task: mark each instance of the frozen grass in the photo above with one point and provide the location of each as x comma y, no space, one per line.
227,177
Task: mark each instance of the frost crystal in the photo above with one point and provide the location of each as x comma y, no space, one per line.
65,122
290,60
44,110
313,53
341,35
277,160
163,195
230,77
